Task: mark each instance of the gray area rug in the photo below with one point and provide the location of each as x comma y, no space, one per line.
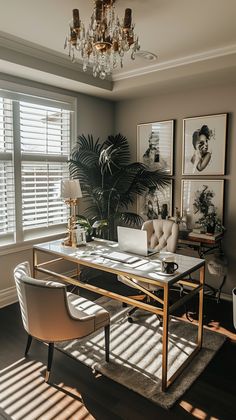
136,353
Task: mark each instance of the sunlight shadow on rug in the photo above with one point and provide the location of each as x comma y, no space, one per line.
136,353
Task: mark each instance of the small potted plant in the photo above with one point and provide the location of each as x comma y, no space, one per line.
92,227
210,222
85,223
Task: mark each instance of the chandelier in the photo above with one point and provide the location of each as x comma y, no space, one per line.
106,40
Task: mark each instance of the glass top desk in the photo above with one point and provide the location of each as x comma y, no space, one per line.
147,270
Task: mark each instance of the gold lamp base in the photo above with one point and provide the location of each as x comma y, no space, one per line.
70,240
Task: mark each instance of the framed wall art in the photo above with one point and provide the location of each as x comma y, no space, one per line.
156,203
199,198
155,145
204,143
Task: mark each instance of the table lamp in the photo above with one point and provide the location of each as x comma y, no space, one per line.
70,192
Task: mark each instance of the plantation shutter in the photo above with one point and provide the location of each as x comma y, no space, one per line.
7,205
45,143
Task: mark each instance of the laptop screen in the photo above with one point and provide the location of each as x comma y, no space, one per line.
132,240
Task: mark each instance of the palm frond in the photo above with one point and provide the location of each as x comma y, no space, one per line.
118,148
87,143
131,219
86,151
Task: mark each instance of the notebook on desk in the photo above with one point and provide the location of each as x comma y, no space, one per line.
120,257
134,241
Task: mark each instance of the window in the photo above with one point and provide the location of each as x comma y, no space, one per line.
34,150
7,217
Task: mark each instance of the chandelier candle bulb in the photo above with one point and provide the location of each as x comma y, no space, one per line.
127,19
105,41
98,11
76,20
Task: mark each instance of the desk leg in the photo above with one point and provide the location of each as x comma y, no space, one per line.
165,338
200,310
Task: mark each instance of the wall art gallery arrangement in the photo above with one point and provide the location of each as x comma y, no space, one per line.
155,149
203,154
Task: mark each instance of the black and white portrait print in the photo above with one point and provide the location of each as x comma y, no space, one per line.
204,145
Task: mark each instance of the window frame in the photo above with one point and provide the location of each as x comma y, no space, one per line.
24,240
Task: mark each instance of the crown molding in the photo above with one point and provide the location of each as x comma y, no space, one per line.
29,54
169,64
25,53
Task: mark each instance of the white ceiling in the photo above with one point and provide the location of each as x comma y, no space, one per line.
191,38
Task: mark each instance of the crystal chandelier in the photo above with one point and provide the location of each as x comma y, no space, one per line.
106,40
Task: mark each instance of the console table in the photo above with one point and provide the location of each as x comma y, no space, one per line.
202,243
146,270
205,244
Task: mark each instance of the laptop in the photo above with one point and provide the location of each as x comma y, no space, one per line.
134,241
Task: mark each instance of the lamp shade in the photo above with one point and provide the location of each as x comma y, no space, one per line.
70,188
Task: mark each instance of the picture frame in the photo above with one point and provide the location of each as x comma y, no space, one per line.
155,145
156,203
204,145
200,197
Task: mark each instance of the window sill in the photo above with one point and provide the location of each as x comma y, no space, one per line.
28,243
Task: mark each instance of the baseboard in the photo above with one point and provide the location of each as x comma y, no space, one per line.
8,296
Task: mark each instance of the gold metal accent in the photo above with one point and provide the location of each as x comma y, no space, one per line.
147,292
164,312
165,338
200,309
47,375
71,239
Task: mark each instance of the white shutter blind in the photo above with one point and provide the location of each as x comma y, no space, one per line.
45,143
7,218
41,206
44,130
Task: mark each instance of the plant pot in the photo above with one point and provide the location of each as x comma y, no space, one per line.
211,228
89,237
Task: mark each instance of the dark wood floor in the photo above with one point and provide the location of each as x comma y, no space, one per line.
212,396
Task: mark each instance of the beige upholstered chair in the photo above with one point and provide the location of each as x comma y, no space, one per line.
50,313
163,236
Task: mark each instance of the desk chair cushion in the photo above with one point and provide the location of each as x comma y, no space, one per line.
162,234
50,313
81,308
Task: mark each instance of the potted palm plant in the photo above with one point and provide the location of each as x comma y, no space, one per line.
110,181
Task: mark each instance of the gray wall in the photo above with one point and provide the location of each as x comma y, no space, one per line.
220,99
95,116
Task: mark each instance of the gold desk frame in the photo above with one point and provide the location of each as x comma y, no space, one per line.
197,288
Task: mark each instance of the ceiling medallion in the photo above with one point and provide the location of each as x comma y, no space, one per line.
106,40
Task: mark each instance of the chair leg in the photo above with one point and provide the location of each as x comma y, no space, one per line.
107,342
131,312
50,357
29,341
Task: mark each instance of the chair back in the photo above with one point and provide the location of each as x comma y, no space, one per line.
43,306
162,234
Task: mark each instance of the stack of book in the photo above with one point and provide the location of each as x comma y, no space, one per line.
207,236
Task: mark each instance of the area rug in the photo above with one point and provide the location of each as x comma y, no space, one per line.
136,353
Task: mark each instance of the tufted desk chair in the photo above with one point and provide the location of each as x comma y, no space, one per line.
50,313
163,236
